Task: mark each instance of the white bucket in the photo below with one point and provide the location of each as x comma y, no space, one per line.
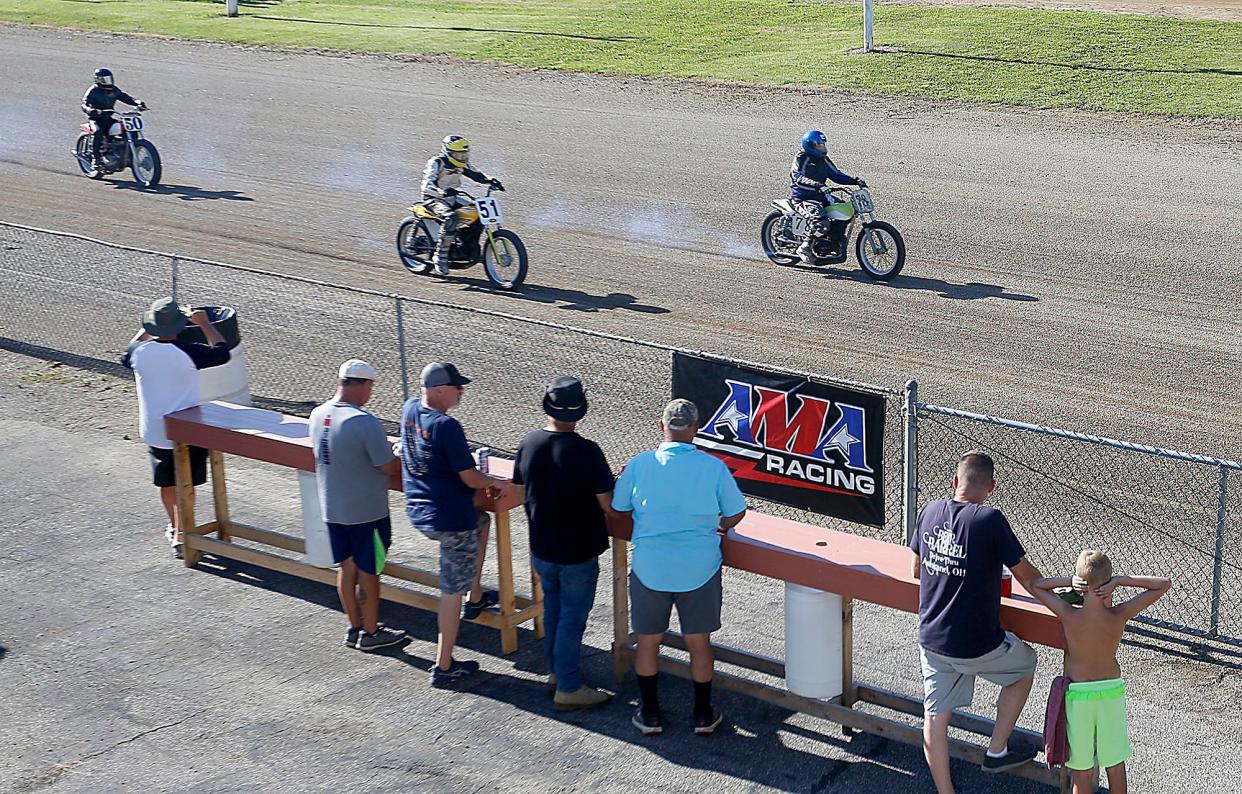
812,642
228,382
314,530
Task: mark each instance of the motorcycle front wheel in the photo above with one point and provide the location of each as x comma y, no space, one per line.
415,246
85,153
881,251
778,247
146,166
504,259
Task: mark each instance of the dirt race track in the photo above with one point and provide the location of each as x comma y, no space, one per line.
1065,268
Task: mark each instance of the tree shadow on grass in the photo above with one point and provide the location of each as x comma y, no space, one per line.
1078,66
454,28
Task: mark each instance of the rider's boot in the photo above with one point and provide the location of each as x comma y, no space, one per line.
440,259
804,251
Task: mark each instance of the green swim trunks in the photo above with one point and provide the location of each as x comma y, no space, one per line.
1095,721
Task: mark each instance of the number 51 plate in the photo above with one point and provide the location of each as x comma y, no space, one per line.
489,211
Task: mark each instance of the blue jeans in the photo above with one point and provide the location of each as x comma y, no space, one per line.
568,595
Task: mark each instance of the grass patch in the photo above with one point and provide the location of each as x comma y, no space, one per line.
1039,59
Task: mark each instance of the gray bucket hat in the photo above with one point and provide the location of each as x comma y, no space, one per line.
165,318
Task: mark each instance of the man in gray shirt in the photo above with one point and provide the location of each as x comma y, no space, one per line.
353,462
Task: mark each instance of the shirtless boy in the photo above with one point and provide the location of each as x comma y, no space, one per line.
1095,705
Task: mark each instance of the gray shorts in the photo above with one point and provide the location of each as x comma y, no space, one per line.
949,683
698,610
459,556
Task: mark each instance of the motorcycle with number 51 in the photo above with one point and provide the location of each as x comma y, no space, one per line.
480,238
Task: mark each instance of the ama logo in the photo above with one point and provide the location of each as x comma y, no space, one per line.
774,436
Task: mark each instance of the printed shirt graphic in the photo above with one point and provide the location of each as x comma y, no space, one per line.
350,445
962,547
434,452
678,494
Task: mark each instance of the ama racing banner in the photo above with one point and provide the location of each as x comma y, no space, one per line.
788,439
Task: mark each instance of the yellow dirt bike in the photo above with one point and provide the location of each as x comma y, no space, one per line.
480,238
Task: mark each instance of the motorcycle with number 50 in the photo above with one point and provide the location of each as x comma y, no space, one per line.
480,238
879,247
125,147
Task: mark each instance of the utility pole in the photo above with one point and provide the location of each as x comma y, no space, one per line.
868,21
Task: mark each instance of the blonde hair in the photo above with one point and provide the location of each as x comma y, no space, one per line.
1094,567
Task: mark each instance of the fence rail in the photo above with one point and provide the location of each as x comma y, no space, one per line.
1154,510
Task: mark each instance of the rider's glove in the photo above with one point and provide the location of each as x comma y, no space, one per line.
141,105
496,185
449,192
862,183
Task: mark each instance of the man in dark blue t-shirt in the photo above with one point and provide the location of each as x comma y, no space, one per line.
439,479
960,546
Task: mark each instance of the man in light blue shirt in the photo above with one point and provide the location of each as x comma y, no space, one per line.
681,498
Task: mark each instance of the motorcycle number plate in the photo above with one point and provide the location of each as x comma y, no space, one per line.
489,211
799,225
132,123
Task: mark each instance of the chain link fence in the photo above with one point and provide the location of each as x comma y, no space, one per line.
1178,516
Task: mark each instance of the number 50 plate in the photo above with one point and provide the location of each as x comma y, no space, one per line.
489,211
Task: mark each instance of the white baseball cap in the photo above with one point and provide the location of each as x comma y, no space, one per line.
357,368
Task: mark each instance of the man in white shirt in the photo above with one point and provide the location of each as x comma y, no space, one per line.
166,376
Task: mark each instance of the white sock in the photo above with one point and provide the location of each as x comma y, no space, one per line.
1001,754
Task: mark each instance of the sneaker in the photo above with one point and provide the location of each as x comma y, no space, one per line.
382,638
178,551
445,679
706,724
649,724
584,697
351,637
551,685
472,609
1013,757
441,267
170,535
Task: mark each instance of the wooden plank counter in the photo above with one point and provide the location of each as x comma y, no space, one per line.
225,428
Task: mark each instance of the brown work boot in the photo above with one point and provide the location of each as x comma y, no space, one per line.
584,697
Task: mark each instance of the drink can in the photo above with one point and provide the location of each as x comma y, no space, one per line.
481,455
1006,582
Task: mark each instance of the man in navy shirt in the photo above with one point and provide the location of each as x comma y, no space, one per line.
440,478
959,546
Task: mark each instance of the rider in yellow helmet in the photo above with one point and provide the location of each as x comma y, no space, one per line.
441,180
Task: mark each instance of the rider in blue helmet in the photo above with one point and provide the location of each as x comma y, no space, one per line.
809,179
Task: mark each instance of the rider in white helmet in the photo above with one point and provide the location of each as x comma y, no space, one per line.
441,180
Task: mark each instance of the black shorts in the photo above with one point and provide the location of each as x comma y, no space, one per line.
366,544
164,471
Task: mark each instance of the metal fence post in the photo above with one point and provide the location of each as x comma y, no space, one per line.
405,373
1218,568
910,459
868,22
175,266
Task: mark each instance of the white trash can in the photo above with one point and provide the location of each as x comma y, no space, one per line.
813,642
314,530
228,382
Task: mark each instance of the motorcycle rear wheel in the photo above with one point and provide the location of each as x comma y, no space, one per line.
505,265
776,245
415,247
880,250
85,154
146,166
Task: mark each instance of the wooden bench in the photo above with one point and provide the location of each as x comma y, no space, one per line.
224,428
856,568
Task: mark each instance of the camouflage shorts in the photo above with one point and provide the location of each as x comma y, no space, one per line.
459,555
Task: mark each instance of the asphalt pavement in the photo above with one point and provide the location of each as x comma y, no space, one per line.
1066,268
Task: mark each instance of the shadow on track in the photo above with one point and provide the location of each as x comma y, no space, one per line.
184,192
971,291
1076,66
753,745
570,299
455,28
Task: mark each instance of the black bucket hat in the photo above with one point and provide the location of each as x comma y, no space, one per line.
565,399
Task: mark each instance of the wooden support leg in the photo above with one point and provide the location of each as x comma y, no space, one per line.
504,561
848,693
536,595
620,609
220,495
185,500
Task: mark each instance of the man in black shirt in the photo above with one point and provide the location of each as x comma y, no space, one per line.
568,493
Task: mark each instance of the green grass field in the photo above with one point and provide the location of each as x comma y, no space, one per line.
1035,58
